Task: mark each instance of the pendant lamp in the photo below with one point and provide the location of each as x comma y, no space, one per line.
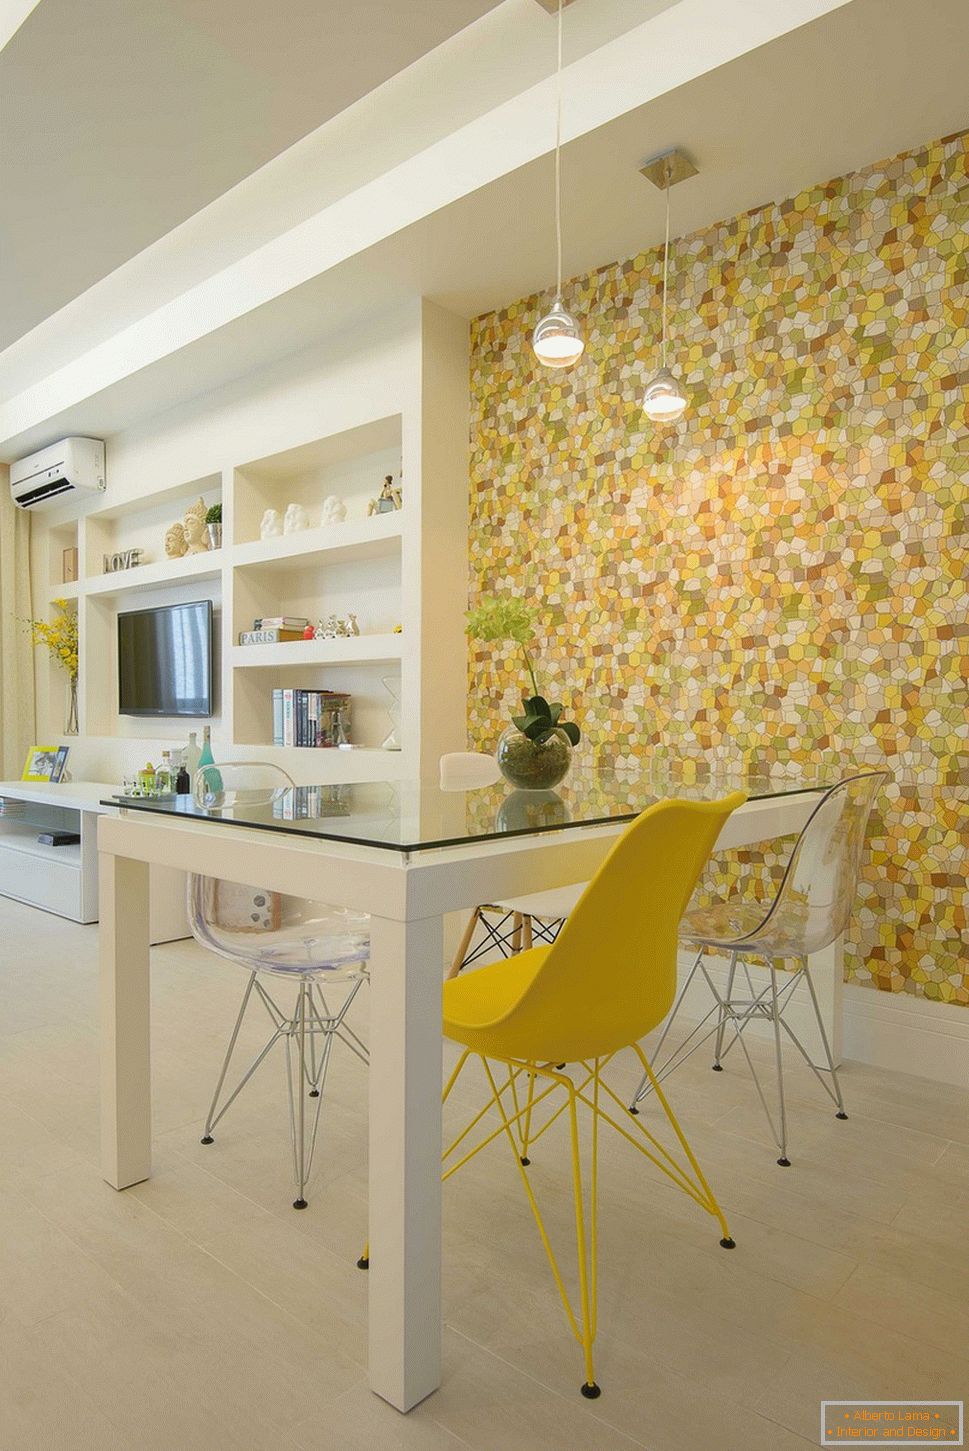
557,341
665,400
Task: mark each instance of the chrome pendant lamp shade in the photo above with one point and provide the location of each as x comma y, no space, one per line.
557,341
665,399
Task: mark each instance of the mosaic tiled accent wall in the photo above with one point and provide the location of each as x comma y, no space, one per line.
785,571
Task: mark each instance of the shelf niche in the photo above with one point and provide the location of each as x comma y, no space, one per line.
352,465
143,524
370,721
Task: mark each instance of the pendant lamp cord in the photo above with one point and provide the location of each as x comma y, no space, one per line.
558,160
666,252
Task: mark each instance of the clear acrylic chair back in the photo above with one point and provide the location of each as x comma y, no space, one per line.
814,902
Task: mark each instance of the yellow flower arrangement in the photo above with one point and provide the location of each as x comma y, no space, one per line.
60,637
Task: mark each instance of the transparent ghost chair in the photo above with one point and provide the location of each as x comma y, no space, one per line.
811,909
315,949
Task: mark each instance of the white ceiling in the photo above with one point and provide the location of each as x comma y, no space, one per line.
859,84
120,118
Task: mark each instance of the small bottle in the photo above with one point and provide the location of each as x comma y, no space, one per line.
192,754
213,779
206,757
183,785
163,776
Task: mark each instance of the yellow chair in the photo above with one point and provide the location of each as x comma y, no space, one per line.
607,981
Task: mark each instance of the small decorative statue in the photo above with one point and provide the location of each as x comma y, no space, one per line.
175,542
296,519
334,510
335,629
389,498
271,526
194,527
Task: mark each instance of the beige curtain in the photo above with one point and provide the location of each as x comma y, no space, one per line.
16,651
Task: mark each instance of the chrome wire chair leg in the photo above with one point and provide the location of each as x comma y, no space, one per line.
784,1161
299,1122
307,1063
832,1089
212,1117
644,1083
312,1019
296,1045
723,1015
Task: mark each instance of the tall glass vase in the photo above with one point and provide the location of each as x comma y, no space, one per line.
71,727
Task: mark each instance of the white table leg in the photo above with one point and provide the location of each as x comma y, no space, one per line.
405,1159
125,1043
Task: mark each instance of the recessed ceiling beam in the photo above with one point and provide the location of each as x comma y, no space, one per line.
552,5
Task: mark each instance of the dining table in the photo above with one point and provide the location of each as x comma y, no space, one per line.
407,853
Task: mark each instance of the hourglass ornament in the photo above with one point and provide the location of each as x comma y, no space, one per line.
391,684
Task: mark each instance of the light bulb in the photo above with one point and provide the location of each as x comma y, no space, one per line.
556,340
664,400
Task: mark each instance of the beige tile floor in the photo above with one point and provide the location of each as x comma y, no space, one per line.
200,1311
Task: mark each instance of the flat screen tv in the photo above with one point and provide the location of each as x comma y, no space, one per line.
165,660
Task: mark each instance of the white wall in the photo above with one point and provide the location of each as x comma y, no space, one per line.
384,369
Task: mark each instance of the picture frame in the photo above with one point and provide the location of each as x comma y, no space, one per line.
60,765
40,763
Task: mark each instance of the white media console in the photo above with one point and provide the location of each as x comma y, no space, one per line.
64,879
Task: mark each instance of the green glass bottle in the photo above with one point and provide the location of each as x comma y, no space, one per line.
213,777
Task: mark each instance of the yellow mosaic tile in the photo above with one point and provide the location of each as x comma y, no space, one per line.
783,572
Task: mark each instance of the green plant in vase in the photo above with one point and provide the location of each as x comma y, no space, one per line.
213,523
535,751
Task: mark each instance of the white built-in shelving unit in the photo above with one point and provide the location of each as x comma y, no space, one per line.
403,574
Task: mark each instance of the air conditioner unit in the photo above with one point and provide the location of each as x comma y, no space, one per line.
75,465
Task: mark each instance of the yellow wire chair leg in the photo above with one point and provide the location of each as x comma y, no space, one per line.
586,1248
713,1206
527,1130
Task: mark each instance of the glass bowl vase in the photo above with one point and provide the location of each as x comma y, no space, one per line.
533,765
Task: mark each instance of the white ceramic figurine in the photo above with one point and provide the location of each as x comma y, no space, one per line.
296,519
334,510
271,526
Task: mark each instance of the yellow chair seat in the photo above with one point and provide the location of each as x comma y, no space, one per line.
477,1003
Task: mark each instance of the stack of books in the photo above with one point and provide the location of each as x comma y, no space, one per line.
274,630
303,803
311,718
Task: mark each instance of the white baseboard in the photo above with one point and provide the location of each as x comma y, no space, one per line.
887,1030
913,1035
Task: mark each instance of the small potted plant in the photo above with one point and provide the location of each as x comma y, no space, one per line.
213,523
534,752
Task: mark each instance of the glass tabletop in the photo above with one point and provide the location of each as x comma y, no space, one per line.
411,816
